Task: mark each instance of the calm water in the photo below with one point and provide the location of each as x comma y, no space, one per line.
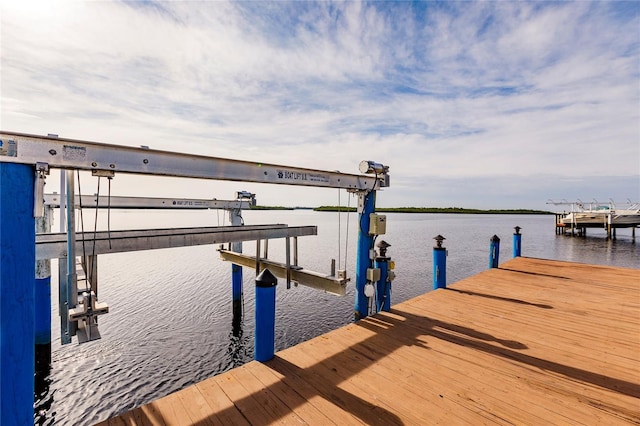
170,320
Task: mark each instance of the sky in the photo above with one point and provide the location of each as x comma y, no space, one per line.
471,104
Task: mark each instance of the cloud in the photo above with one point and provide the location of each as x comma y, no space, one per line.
497,91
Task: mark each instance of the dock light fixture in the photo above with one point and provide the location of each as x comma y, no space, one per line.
367,166
439,239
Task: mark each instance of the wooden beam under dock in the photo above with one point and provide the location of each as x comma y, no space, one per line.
532,342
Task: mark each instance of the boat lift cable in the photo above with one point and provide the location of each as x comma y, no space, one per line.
346,241
95,231
339,228
109,211
84,247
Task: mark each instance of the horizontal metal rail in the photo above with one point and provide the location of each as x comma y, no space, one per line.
117,202
84,155
328,283
51,246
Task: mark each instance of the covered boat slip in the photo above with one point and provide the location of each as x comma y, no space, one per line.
532,342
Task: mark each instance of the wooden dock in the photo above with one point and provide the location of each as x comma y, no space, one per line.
533,342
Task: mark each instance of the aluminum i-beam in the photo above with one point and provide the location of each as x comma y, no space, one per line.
329,283
52,246
84,155
116,202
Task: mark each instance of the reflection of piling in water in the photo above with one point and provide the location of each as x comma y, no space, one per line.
42,382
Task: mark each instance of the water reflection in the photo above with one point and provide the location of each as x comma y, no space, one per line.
43,399
238,350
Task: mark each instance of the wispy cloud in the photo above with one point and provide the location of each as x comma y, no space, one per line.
448,93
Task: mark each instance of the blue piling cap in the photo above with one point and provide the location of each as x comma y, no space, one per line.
266,279
495,239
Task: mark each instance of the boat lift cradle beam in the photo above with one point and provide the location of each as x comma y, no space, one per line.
51,246
329,283
64,153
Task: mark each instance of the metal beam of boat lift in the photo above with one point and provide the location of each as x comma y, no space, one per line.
333,284
61,153
151,203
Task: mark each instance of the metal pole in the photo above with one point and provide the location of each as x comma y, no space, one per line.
439,264
43,287
366,206
265,316
517,242
494,251
17,295
70,286
63,201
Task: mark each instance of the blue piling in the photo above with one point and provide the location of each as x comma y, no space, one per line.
43,311
17,295
265,316
235,217
236,289
494,251
439,264
363,258
517,242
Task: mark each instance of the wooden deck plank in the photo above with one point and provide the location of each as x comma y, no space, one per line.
419,353
596,353
303,382
345,394
531,342
250,408
380,376
285,391
224,407
468,367
270,404
197,407
166,411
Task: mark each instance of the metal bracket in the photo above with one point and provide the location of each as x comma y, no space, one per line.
42,171
86,315
103,173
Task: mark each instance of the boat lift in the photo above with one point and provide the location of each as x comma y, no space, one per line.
585,215
25,161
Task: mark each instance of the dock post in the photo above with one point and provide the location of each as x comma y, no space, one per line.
265,316
384,283
235,217
517,242
494,251
364,258
43,295
439,264
17,295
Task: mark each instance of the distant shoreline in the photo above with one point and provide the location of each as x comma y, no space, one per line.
448,210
